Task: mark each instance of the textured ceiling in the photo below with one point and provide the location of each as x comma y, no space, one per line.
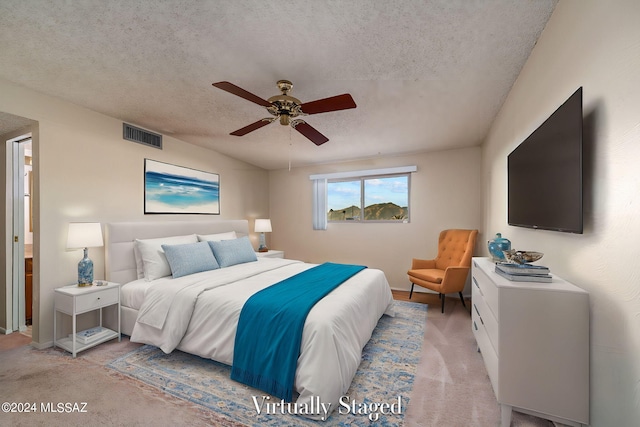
10,123
426,75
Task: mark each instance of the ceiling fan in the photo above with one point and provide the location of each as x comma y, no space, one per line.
286,108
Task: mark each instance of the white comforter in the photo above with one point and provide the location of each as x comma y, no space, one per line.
199,313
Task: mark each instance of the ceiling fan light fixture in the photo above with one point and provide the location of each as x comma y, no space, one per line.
284,119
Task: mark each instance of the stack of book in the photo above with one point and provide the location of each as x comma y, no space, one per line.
90,335
523,272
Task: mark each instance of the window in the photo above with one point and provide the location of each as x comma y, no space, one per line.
384,198
380,195
343,200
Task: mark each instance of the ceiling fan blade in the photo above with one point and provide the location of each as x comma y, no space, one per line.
253,126
308,131
334,103
238,91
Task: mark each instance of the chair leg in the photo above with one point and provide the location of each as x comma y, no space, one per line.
442,298
411,293
462,299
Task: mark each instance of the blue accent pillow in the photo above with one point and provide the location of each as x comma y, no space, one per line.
232,252
189,258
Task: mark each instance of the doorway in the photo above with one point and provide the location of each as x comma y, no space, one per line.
19,173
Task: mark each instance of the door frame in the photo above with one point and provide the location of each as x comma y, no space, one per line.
16,304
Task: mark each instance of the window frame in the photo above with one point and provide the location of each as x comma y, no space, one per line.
319,192
363,179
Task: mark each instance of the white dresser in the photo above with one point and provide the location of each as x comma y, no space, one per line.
534,339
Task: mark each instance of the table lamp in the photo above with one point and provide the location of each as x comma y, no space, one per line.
84,235
263,226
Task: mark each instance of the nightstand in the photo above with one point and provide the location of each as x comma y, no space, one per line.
73,300
271,254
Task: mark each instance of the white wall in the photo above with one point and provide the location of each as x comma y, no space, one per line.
445,193
85,171
596,45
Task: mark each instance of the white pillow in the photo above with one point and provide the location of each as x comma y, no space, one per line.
139,264
217,237
154,261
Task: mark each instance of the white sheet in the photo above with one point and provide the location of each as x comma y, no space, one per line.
132,294
336,329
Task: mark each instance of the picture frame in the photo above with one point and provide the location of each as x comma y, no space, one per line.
172,189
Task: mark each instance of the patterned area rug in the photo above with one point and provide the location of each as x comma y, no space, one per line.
385,376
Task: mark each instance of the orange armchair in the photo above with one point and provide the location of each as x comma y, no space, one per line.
447,273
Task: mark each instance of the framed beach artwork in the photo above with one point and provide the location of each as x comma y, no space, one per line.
170,189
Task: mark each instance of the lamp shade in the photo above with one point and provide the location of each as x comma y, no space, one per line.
263,226
84,235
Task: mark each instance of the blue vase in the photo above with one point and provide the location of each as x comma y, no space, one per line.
497,245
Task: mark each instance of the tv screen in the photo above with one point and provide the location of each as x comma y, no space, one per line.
545,173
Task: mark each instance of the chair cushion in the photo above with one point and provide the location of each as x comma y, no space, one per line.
430,275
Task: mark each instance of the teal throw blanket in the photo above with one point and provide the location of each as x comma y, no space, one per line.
269,333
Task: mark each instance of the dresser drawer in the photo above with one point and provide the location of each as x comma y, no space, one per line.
487,288
94,300
480,308
489,356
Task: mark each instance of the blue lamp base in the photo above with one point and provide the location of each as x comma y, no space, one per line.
85,270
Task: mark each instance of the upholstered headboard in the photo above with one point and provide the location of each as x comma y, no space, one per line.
120,263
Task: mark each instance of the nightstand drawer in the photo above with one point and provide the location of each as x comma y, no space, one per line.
94,300
270,254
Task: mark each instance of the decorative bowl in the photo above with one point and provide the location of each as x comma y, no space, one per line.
522,257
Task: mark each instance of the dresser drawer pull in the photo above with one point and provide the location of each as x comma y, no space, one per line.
475,326
476,283
477,311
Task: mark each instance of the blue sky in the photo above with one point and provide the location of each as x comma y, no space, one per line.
377,190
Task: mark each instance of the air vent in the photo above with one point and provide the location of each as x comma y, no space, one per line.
141,136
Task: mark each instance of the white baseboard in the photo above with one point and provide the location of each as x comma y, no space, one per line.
424,291
41,346
415,290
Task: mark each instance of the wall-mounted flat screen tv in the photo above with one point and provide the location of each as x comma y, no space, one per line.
545,173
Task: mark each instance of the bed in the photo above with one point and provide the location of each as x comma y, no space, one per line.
198,313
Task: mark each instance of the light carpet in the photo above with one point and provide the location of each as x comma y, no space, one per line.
386,372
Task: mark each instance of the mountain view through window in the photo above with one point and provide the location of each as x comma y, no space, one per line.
384,199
